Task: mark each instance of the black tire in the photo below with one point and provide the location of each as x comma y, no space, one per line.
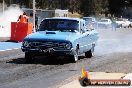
88,54
28,57
74,58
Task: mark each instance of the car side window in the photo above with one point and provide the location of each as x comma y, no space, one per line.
82,28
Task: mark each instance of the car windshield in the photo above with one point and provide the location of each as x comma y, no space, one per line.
59,25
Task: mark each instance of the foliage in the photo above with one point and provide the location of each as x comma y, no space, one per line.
84,7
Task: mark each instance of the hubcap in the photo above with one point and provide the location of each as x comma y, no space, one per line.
76,57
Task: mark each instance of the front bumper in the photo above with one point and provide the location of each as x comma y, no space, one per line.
49,51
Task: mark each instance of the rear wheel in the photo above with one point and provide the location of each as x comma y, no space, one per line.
90,53
28,57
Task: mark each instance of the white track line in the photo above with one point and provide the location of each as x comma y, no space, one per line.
8,49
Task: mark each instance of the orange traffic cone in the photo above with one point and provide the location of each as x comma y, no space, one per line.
84,81
84,73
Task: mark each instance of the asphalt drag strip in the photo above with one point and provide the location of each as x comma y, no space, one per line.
113,54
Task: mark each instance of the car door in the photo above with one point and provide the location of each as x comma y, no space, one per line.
80,40
93,37
86,36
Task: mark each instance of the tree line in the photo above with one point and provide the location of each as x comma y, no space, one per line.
84,7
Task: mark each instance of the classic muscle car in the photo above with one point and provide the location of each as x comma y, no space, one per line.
60,37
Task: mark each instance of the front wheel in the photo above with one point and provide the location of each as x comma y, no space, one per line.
74,58
28,57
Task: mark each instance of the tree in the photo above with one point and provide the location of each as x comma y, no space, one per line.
92,7
84,7
118,7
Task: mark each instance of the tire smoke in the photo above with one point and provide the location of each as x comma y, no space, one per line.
10,15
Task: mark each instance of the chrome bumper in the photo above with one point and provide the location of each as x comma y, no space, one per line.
49,51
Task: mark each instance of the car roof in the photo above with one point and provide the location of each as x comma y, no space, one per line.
67,18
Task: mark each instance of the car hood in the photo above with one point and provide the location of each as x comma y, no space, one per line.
52,35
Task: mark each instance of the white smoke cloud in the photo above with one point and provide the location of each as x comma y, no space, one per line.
9,15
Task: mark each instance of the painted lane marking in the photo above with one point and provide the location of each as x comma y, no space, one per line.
9,49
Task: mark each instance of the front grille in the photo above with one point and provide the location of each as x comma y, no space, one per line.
47,45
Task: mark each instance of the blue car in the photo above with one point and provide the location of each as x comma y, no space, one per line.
60,37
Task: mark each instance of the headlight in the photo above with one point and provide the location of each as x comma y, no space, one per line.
68,46
25,43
